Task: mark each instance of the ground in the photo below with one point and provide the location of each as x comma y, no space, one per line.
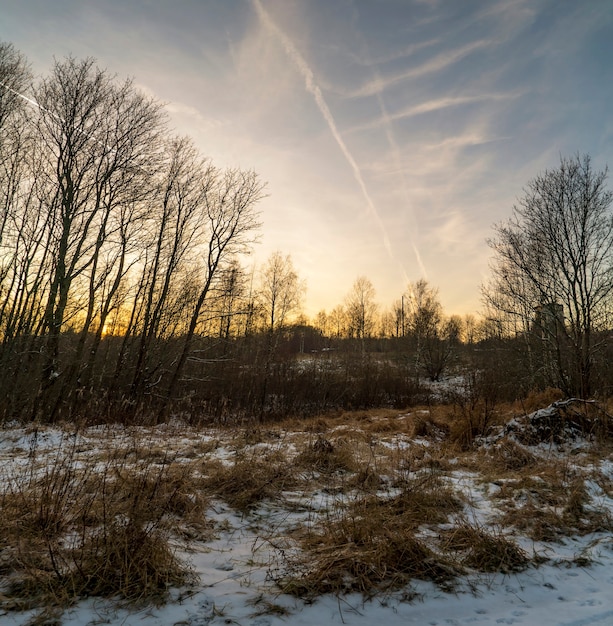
359,518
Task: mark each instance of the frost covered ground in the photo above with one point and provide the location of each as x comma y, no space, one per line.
251,546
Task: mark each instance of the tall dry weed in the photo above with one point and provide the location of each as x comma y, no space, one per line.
81,526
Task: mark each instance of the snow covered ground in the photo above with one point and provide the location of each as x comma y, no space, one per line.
573,586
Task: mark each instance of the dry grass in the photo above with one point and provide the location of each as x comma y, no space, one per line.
376,542
423,501
371,421
364,553
426,424
83,525
323,455
485,551
538,399
551,504
250,479
366,479
505,458
74,529
508,456
372,544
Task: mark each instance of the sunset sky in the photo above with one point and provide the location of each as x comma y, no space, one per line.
392,133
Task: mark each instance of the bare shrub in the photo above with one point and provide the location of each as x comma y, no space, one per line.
474,408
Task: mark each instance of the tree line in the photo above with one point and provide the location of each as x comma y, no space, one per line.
124,292
109,224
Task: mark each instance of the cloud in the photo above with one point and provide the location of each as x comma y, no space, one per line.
431,106
397,54
439,62
193,115
401,176
445,103
313,88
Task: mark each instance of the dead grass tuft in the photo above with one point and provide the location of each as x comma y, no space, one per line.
548,510
423,501
428,424
73,529
539,399
485,551
364,550
372,544
384,425
318,425
507,456
250,479
464,428
326,456
366,479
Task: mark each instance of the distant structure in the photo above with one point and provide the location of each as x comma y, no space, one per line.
548,320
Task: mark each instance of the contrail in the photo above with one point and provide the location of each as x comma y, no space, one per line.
313,88
436,64
387,124
26,98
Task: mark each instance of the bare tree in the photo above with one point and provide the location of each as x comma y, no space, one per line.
361,309
14,143
469,329
231,300
169,239
434,336
337,321
280,294
322,323
399,317
556,253
14,81
133,125
96,137
280,291
228,220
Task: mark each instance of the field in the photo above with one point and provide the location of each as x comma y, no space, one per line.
358,518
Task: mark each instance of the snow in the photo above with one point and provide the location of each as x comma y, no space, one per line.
573,588
549,596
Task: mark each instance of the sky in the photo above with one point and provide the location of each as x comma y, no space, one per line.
392,134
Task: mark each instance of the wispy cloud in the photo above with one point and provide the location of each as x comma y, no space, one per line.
431,106
446,103
313,88
396,55
194,115
401,175
439,62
